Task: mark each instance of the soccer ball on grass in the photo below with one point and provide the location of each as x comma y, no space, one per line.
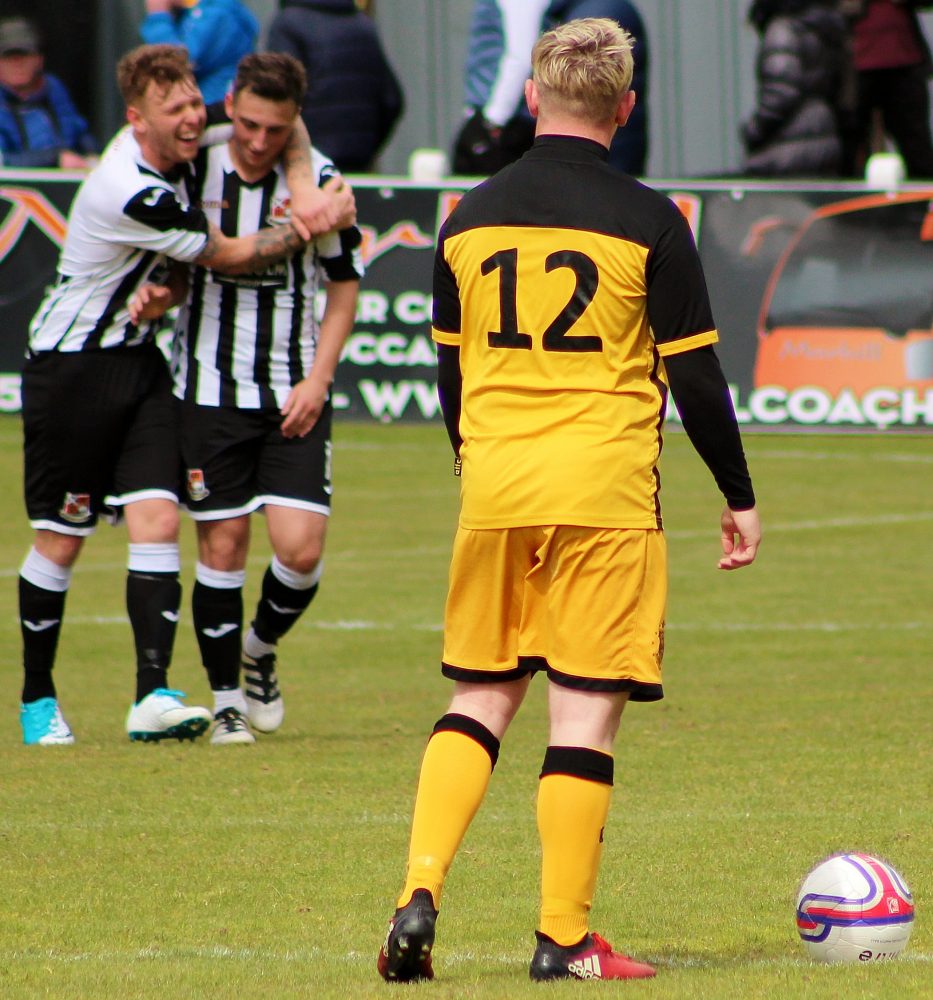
854,908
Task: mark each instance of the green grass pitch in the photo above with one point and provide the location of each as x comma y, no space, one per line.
796,724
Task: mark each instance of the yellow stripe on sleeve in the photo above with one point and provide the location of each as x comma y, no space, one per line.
445,337
688,343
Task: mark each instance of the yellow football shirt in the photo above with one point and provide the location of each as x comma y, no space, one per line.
563,284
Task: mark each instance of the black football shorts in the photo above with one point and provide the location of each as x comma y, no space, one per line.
99,432
236,461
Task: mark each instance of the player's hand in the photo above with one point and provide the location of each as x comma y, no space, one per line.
344,201
303,407
149,302
741,536
318,210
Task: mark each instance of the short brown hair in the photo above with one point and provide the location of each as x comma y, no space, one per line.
275,76
584,67
164,65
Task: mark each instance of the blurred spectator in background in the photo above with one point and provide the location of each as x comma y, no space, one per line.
354,98
39,124
629,149
795,128
892,63
498,128
216,33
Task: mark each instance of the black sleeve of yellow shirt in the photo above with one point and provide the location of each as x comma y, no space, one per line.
446,309
449,386
705,406
678,302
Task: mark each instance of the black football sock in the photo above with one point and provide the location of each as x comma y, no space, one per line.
40,617
218,624
281,603
43,587
152,603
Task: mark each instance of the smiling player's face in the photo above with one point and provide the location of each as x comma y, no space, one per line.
168,122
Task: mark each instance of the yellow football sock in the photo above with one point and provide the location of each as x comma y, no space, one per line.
455,774
572,813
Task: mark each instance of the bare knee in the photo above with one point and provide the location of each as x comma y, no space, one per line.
164,525
59,548
301,559
152,521
584,718
494,704
223,545
297,538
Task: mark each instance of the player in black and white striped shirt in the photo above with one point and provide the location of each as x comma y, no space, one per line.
253,367
98,416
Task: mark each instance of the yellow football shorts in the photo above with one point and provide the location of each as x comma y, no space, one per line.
585,604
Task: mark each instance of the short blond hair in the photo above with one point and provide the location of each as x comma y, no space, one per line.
584,67
164,65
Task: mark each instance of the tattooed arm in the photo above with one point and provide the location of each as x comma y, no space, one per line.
248,254
315,210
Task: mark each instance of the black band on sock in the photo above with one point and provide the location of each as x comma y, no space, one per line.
579,762
476,731
542,937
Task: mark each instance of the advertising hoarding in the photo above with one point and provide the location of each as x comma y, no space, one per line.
823,296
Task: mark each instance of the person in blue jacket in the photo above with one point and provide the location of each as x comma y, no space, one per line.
216,33
354,98
39,123
629,149
497,128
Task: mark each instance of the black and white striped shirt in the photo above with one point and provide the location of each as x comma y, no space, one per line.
244,341
126,219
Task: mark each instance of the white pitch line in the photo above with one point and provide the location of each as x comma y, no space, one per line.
368,555
829,523
168,954
359,625
349,555
789,527
449,957
382,447
262,560
833,456
800,626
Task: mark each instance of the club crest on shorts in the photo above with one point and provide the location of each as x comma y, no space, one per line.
76,508
197,490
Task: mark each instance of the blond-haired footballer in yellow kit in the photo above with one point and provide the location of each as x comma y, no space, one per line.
568,299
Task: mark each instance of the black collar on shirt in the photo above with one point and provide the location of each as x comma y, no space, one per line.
570,147
176,173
